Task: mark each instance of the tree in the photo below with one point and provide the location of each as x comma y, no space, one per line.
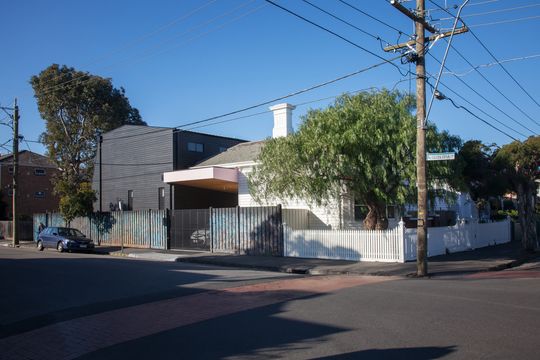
362,145
76,106
78,203
481,178
520,163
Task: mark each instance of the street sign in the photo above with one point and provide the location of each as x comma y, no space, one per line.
440,156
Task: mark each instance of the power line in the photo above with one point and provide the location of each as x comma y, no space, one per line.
465,72
295,93
270,101
132,164
373,17
495,87
138,40
479,118
332,33
483,97
504,21
468,5
493,56
85,77
343,21
492,12
479,109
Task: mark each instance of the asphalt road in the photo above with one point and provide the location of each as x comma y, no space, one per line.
100,307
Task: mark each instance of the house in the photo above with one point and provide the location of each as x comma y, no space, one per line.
227,174
133,159
35,191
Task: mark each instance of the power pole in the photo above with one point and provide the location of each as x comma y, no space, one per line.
15,174
420,26
100,144
421,241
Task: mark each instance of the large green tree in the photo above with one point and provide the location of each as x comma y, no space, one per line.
520,163
362,145
76,106
481,178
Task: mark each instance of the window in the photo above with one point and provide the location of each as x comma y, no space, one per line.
10,192
130,200
10,169
161,198
39,172
195,147
360,211
39,194
391,211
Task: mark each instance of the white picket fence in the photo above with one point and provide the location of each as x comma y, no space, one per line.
394,245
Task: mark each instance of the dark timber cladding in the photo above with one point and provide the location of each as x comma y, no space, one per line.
134,159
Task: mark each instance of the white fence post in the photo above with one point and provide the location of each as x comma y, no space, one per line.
401,240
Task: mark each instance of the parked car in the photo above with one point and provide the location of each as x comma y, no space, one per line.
64,239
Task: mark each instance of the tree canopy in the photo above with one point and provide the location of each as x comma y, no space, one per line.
362,145
76,106
520,164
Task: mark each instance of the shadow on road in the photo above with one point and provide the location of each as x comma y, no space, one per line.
256,333
418,353
51,288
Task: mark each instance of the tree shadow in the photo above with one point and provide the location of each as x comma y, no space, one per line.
417,353
72,291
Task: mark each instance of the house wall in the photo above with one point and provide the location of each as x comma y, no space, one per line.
187,197
156,150
35,193
320,217
212,145
151,148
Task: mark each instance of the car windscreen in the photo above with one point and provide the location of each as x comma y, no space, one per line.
70,232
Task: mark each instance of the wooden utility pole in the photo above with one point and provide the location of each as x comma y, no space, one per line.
421,248
421,177
15,220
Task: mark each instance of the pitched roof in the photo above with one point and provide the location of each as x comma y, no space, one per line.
28,158
248,151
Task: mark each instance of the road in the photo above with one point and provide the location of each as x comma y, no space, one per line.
64,306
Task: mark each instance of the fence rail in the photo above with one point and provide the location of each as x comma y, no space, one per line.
142,229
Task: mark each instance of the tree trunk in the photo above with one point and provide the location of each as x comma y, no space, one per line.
526,208
376,217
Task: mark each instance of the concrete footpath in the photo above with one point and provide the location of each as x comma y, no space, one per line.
491,258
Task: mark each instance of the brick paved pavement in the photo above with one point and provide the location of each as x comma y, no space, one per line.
73,338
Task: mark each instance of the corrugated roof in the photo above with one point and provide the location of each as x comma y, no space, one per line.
243,152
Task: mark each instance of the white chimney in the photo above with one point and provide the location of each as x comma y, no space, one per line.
282,119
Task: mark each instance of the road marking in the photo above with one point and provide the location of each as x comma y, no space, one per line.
74,338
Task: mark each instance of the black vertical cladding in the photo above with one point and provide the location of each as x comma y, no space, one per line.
135,158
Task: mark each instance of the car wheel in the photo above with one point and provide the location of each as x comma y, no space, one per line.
40,245
60,247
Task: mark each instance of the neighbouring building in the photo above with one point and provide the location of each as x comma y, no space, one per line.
35,191
134,158
226,174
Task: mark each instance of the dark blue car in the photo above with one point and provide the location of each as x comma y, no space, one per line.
64,239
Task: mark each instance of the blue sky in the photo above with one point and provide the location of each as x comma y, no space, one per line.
228,54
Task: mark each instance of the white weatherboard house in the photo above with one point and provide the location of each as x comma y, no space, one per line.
227,172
